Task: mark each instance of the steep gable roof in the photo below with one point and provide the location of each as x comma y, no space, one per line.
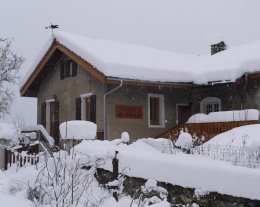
109,59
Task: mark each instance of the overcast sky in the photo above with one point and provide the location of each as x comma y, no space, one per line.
182,26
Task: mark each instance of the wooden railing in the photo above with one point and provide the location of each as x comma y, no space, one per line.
21,156
202,132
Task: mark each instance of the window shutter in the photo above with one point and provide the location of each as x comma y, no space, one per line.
93,108
62,69
74,69
78,108
43,114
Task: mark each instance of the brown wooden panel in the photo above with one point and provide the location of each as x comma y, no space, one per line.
203,130
129,112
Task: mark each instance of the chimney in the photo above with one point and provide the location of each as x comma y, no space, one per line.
215,48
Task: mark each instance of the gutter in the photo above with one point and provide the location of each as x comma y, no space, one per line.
105,106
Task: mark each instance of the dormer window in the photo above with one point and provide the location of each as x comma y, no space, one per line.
68,68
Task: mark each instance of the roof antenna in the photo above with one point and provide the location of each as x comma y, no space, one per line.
52,27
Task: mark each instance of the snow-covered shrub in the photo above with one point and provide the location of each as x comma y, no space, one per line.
151,194
64,182
184,141
125,138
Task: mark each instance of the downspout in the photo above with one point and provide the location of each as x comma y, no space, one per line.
245,91
105,106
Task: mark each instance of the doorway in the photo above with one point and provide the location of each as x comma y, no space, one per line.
183,113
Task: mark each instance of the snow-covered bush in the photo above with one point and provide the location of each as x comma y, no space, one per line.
150,194
64,182
184,141
125,138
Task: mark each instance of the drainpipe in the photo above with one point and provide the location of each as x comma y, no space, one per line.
245,91
105,106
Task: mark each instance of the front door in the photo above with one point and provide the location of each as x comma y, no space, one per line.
54,121
183,113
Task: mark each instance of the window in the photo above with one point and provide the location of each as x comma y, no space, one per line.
68,68
210,104
156,110
86,107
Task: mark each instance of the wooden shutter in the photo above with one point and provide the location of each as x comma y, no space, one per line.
74,69
78,108
93,108
62,69
43,114
56,122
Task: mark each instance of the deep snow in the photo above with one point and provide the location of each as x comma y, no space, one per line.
192,171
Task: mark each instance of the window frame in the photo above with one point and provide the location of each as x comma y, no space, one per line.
68,68
161,110
210,101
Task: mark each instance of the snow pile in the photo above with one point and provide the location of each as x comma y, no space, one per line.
225,116
161,144
7,131
128,61
184,141
42,130
244,136
186,170
125,137
78,130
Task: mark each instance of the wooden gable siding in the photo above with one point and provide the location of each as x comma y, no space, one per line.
26,91
202,132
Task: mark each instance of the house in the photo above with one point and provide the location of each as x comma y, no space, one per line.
141,90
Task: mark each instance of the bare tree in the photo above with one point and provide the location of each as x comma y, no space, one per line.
10,64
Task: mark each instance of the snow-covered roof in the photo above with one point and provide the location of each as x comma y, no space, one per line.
128,61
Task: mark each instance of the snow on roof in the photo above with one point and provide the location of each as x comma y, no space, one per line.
129,61
216,38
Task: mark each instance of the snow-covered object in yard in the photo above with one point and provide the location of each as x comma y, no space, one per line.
161,144
7,131
247,136
78,130
226,116
125,137
184,141
186,170
42,130
128,61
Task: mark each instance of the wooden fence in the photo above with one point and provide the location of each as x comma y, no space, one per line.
202,132
21,156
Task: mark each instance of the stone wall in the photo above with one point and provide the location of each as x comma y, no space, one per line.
179,195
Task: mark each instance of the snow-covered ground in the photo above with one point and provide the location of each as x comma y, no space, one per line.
240,136
186,170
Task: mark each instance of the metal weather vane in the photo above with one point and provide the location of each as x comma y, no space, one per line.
52,27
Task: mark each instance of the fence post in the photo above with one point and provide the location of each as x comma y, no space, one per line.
115,173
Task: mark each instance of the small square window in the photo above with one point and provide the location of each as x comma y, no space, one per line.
68,69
